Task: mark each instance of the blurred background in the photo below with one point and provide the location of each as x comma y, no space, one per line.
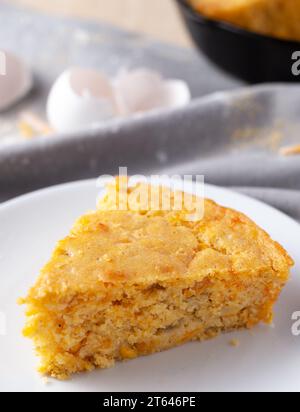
152,84
157,18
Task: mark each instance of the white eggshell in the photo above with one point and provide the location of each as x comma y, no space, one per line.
15,80
139,90
80,98
143,90
176,93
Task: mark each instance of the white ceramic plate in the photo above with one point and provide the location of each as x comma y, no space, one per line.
267,359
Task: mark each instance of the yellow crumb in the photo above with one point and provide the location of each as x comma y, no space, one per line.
26,130
235,343
290,150
266,137
21,301
31,125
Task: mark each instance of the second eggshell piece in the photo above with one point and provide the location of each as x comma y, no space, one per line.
82,98
143,90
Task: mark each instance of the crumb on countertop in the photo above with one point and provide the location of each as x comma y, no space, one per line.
235,343
31,125
290,150
267,137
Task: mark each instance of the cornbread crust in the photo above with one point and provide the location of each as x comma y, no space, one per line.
277,18
131,283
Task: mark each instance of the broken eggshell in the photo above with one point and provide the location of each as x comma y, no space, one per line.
80,98
15,80
143,90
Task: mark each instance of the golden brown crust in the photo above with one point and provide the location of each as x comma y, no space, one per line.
119,246
277,18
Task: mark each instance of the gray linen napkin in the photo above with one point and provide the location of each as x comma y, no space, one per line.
231,138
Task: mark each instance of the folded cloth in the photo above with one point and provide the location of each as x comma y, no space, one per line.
232,138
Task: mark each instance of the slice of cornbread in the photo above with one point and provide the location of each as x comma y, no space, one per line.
278,18
135,282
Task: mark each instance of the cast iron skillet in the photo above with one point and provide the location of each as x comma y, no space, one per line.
252,57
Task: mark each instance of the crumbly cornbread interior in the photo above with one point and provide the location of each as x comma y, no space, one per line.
131,283
277,18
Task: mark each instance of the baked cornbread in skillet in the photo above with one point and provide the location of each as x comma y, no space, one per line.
127,283
276,18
